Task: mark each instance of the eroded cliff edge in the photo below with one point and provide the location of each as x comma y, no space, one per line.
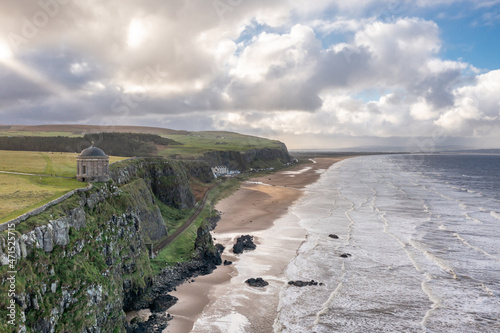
83,261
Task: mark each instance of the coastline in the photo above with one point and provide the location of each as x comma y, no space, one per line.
259,208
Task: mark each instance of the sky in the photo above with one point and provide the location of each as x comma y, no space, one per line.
314,74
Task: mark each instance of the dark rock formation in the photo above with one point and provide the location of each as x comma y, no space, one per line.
333,236
163,303
244,243
167,179
257,282
345,255
299,283
156,323
227,262
208,257
242,161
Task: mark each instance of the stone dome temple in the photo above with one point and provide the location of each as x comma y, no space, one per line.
92,165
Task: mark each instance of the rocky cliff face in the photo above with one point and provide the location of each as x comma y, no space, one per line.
81,262
255,158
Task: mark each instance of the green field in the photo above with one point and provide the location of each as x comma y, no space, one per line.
51,164
36,133
197,143
193,145
22,193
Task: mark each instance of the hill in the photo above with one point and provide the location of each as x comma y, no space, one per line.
192,144
118,144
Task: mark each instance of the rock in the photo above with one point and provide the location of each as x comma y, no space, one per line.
42,325
94,295
61,231
244,243
227,262
299,283
78,218
258,282
157,322
163,303
345,255
48,240
53,287
333,236
39,238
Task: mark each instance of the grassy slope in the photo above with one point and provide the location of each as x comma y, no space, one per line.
194,143
20,194
197,143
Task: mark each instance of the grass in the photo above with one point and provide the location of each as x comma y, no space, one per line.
37,133
20,194
193,145
55,164
197,143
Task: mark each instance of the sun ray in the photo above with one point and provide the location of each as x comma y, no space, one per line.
8,60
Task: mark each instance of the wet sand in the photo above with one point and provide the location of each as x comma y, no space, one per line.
221,301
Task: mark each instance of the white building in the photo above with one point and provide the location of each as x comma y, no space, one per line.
220,171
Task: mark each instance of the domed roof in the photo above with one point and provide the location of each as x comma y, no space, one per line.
92,151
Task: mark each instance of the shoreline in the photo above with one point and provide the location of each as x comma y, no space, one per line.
258,208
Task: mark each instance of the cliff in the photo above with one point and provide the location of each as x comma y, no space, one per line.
254,158
84,260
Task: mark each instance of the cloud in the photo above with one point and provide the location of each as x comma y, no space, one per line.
278,68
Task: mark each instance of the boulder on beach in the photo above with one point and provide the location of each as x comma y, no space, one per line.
258,282
300,283
244,243
162,303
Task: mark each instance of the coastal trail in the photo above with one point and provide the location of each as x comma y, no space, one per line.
186,224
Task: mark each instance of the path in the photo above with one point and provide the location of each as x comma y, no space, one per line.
32,174
186,224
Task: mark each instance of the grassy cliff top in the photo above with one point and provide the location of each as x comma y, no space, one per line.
31,179
193,143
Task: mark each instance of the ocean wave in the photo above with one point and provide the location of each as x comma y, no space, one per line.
495,215
425,245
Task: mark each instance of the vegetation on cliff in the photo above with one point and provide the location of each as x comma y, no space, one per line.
82,262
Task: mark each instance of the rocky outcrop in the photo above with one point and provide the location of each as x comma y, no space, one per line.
167,179
156,323
257,282
244,243
206,259
300,283
163,303
254,158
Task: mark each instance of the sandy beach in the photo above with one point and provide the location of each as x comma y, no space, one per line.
222,301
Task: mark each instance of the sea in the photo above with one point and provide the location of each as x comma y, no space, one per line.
418,247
